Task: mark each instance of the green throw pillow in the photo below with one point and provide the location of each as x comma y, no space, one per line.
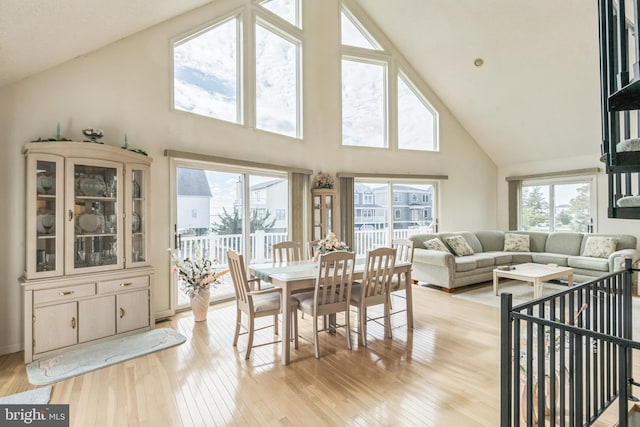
459,246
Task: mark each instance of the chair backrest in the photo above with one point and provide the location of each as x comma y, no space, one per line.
313,246
378,271
286,251
404,249
335,276
239,277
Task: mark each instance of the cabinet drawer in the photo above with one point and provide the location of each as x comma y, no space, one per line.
120,285
66,293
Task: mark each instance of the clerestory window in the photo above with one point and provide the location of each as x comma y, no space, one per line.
368,68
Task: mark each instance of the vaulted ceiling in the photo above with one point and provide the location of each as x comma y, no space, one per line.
535,97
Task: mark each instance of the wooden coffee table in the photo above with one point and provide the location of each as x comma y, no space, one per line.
536,274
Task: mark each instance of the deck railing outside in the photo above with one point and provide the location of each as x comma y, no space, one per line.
215,246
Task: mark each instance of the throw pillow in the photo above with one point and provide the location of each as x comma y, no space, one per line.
436,244
459,246
516,242
600,246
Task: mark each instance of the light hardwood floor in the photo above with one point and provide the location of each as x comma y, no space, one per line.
444,373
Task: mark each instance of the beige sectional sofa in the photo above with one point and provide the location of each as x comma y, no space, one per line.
449,271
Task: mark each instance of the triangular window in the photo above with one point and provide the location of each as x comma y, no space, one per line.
354,34
289,10
417,120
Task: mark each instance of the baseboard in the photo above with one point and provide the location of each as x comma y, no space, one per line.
161,315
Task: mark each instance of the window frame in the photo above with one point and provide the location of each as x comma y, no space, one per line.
396,67
551,182
247,17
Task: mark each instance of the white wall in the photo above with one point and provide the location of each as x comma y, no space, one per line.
125,87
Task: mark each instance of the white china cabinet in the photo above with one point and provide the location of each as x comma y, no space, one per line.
87,274
322,212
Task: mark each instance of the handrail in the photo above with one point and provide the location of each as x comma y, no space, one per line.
567,357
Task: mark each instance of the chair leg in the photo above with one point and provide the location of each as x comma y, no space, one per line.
362,313
250,342
348,327
238,323
387,318
316,343
275,324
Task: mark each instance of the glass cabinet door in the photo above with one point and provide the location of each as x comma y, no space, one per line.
94,215
44,226
328,203
317,217
137,214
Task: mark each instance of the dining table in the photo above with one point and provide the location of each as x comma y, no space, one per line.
294,276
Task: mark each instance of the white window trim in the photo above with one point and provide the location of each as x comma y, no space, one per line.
591,179
247,17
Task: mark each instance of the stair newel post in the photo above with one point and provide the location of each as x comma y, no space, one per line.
623,46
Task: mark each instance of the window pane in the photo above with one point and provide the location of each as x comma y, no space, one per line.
363,104
378,218
415,121
535,208
285,9
415,205
572,207
352,35
276,83
268,196
209,215
206,75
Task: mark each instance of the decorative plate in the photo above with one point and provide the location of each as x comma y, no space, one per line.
91,185
90,222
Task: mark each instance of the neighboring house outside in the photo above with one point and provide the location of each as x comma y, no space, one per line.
272,196
193,204
412,207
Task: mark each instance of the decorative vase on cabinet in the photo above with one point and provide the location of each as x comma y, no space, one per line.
87,236
322,212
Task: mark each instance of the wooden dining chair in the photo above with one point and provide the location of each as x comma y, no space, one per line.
313,247
332,293
404,253
286,251
374,289
255,302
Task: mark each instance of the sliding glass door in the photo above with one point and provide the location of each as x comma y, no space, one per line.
387,210
222,208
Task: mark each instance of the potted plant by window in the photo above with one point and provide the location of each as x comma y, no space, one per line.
196,276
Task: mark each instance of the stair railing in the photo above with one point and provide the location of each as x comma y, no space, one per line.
566,358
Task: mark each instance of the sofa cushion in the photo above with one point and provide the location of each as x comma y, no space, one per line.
500,258
435,244
564,243
521,257
589,263
483,259
516,242
465,263
491,241
537,240
599,246
459,246
549,258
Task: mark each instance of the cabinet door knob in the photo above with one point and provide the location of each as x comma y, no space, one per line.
121,312
70,214
73,323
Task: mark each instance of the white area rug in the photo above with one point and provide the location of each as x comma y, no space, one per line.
91,358
39,396
521,291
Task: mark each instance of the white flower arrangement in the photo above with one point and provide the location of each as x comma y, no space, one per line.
331,243
323,180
